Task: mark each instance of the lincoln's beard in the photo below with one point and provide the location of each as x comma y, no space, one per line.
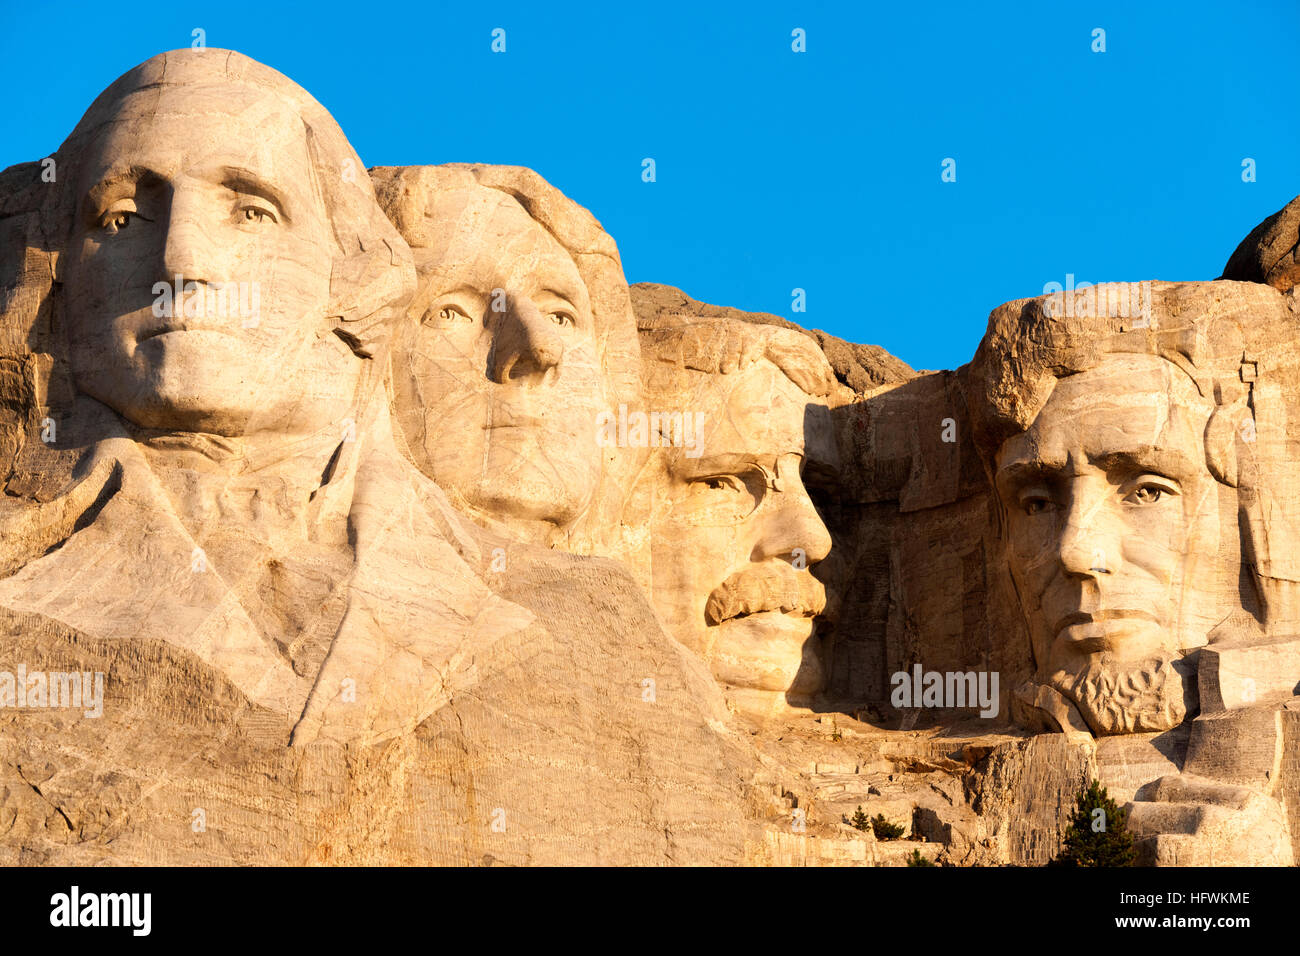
1126,697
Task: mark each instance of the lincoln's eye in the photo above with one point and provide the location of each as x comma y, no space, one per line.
1035,505
257,215
1148,494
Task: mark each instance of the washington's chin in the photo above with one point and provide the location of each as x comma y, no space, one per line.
770,651
171,405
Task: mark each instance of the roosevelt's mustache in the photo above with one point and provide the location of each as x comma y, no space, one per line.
769,587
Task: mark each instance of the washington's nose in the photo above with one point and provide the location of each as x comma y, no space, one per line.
526,345
188,249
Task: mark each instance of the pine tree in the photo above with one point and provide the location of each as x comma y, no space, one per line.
860,820
1098,834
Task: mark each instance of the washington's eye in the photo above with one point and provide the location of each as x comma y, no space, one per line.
119,217
115,222
256,215
561,317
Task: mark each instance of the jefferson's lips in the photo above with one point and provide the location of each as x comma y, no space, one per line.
1100,616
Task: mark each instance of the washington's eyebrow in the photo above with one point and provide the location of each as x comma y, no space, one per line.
241,180
116,178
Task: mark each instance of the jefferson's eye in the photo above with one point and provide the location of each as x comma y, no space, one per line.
445,315
256,215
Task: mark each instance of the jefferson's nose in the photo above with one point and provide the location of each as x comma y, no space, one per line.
526,345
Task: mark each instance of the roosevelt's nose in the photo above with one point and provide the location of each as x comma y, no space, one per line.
795,525
526,345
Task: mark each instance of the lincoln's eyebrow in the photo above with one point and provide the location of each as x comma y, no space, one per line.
1022,471
1146,458
241,180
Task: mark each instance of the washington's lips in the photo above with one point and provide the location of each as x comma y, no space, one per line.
185,325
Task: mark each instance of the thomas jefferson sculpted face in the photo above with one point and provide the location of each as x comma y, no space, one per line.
1113,525
164,197
499,392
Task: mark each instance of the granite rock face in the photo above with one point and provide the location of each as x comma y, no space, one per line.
371,517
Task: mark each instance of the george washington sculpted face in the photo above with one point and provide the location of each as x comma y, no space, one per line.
225,206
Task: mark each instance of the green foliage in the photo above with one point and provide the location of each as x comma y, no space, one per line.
917,860
1097,838
860,820
885,830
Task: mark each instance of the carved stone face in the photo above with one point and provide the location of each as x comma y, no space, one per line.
176,191
735,534
499,390
1113,531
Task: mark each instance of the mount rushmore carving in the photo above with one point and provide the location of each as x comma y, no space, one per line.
399,529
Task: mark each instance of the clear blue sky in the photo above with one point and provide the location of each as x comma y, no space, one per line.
775,169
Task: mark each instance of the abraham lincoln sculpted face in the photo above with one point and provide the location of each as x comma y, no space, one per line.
1110,510
1111,445
233,218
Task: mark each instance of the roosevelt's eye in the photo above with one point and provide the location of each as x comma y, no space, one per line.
256,215
729,483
